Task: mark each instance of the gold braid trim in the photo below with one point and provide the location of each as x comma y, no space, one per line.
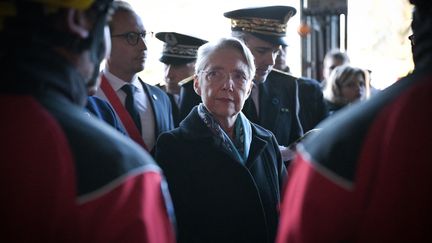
261,26
185,51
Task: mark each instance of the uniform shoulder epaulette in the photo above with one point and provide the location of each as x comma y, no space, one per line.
186,80
283,73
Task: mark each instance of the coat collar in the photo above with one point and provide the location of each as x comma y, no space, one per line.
194,128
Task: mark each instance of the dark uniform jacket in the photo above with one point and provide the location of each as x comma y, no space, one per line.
188,98
313,108
278,107
217,198
67,176
175,110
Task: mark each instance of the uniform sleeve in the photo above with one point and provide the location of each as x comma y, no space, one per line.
133,210
314,209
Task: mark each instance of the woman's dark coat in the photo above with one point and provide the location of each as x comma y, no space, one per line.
217,198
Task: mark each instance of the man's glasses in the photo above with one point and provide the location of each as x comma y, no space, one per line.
238,77
133,38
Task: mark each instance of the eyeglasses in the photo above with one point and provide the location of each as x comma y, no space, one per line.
133,37
238,77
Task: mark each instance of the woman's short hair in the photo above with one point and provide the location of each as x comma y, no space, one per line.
338,77
208,49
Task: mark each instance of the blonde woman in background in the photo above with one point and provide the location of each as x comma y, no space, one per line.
346,85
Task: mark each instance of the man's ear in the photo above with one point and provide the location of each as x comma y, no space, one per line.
196,85
78,23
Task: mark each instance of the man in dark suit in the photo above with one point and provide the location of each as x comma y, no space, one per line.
179,56
278,101
144,110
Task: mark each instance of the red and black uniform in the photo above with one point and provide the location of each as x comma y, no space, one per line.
367,176
66,176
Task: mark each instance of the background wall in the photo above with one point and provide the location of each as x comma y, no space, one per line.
205,20
377,32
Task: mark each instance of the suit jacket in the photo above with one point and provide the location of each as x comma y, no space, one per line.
162,108
160,104
278,107
217,198
174,106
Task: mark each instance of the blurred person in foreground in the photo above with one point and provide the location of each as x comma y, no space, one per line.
67,176
367,176
224,172
178,56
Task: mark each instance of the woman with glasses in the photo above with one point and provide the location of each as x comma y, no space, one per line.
224,172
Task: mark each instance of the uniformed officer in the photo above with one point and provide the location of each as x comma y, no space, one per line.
179,56
279,102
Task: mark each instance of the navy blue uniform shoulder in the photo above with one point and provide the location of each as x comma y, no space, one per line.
188,98
313,108
279,76
104,111
309,82
96,145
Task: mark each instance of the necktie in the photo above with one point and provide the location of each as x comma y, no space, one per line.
130,105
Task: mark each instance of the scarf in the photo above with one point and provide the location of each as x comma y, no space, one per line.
240,147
